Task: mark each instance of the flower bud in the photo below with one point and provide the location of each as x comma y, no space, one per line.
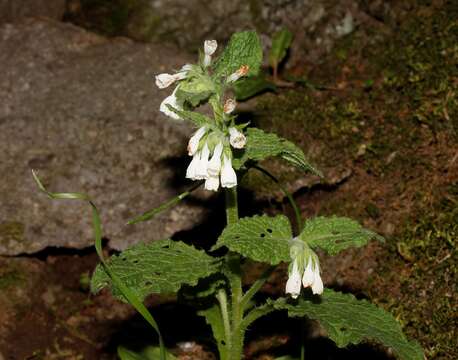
236,138
229,106
209,49
242,71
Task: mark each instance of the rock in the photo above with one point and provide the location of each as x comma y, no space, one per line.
317,25
14,10
83,111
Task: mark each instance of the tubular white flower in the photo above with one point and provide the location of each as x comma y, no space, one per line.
236,138
192,167
212,183
229,106
209,49
317,286
173,102
202,165
214,165
165,80
309,276
242,71
193,143
228,175
293,285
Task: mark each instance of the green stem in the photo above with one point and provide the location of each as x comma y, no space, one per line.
235,280
297,213
257,285
222,300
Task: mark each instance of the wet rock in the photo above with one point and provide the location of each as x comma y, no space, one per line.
14,10
83,111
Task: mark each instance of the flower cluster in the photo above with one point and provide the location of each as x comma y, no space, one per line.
212,157
304,270
210,146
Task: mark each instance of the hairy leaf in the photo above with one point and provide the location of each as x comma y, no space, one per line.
244,48
195,90
334,234
261,238
350,321
158,267
281,41
246,88
261,145
196,118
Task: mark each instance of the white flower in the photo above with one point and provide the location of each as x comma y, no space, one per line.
209,49
242,71
212,183
173,102
202,165
236,138
228,176
165,80
214,165
229,106
293,285
193,143
192,168
305,267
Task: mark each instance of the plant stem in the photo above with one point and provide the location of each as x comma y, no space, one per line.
235,280
222,299
257,285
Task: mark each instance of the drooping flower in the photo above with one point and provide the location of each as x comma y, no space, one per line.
305,269
209,49
228,175
236,138
192,167
229,106
173,102
293,285
242,71
212,183
202,165
194,141
214,165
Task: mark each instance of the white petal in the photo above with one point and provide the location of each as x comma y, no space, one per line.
202,166
191,170
214,166
194,141
242,71
229,106
212,183
210,47
309,275
173,102
165,80
293,285
317,286
236,138
228,175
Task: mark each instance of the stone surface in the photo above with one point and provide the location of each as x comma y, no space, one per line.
83,111
317,25
14,10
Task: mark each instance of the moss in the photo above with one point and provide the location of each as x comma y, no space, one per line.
11,278
11,232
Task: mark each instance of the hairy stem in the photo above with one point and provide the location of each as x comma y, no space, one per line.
257,285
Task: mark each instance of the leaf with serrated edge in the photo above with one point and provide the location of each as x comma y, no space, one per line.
261,145
158,267
350,321
244,48
334,234
213,318
261,238
246,88
196,118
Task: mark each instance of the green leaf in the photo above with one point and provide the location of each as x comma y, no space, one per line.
244,48
148,353
350,321
261,238
248,87
195,90
334,234
205,287
213,318
196,118
281,41
261,145
158,267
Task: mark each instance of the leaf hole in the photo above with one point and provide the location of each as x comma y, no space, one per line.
270,231
223,342
135,261
343,328
262,235
157,273
148,283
